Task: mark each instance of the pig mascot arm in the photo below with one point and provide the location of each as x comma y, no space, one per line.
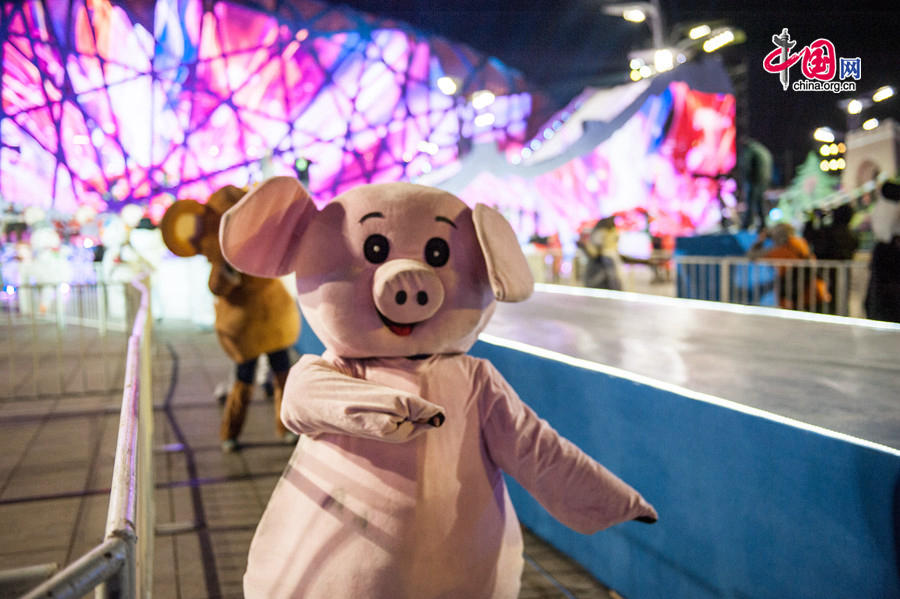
330,401
575,489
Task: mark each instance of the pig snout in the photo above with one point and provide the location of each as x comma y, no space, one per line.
407,291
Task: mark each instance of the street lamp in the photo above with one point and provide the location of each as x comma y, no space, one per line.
709,37
719,40
637,12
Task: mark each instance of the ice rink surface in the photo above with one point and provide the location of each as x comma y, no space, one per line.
840,374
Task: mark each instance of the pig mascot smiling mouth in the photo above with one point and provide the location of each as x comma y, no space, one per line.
395,489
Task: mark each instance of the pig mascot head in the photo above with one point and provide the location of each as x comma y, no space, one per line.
383,270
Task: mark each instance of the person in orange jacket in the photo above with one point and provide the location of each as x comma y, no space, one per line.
793,293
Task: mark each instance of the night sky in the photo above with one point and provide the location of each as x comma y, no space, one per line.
564,45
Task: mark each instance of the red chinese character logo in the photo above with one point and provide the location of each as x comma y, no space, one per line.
787,60
819,61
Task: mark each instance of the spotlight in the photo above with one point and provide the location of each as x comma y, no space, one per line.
634,15
717,41
883,93
699,31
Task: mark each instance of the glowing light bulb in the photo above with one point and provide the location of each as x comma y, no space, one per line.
634,15
823,134
699,31
718,40
664,60
883,93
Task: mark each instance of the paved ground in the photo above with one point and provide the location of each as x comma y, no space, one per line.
56,455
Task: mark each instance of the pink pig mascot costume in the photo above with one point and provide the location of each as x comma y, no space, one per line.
395,489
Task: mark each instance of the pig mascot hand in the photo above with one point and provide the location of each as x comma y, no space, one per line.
254,316
395,489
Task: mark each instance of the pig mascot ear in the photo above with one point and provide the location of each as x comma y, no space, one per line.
261,233
508,271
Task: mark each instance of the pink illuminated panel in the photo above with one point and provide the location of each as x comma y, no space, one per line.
663,172
99,111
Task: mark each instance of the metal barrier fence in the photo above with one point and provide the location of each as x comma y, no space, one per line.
122,565
824,286
63,339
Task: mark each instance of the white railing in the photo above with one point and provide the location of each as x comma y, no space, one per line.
826,286
122,565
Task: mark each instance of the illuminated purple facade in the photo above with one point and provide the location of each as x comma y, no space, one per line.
98,110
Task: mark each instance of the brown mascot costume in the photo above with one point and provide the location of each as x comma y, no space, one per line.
254,315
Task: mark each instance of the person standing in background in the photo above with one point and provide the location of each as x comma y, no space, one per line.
755,168
883,294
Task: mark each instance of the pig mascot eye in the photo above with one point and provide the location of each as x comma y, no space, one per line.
437,252
376,248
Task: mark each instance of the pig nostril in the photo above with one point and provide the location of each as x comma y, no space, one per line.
422,298
400,298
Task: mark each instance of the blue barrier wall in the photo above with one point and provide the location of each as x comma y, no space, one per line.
720,244
749,506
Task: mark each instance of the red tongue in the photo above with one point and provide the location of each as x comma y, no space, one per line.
401,329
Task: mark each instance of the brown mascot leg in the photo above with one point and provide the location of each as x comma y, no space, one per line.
234,414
